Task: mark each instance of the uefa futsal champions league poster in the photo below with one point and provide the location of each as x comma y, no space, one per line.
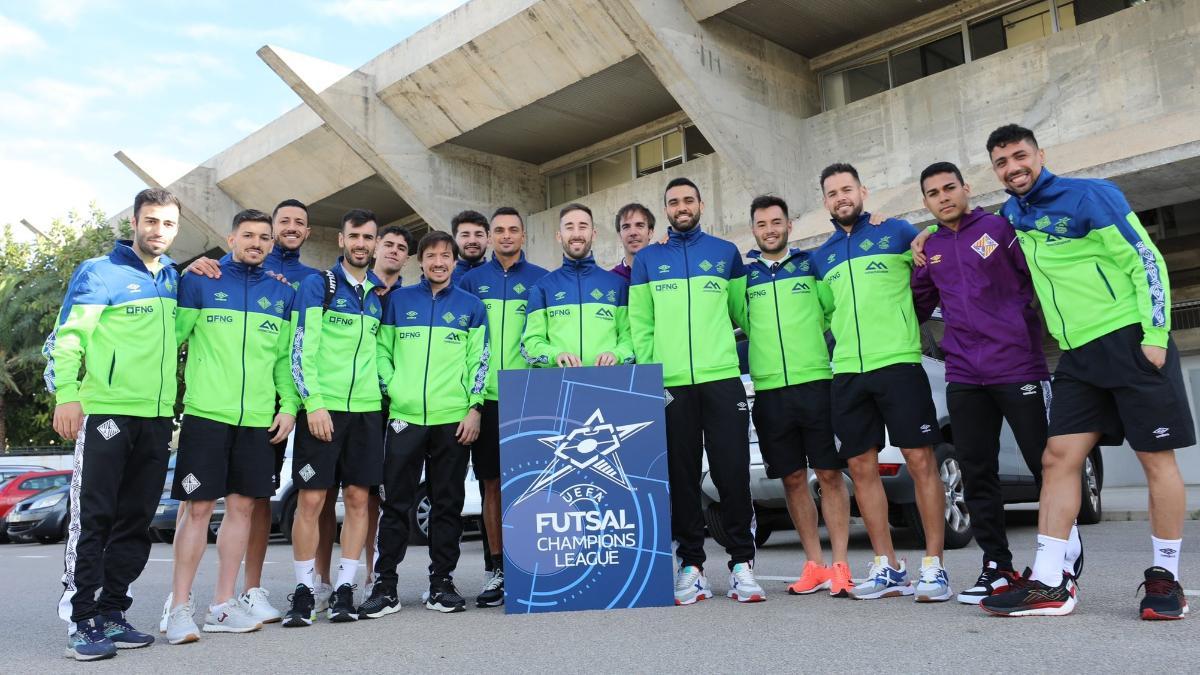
586,509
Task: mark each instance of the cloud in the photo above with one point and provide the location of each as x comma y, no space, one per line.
166,70
209,113
374,12
18,39
67,12
47,102
44,191
211,32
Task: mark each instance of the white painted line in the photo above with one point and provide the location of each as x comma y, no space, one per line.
766,578
33,556
160,560
1192,593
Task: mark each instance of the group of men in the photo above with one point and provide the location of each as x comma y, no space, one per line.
382,383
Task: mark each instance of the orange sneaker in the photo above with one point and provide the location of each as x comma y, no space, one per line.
814,578
839,580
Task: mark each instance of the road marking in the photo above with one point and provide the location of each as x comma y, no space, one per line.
1193,593
33,556
766,578
160,560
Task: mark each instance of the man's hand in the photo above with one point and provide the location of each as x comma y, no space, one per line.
568,360
1155,355
205,267
918,247
876,219
68,417
282,426
278,277
320,425
468,429
606,359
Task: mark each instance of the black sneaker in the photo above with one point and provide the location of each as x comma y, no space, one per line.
1164,600
1029,597
444,597
992,581
383,601
303,610
341,605
492,594
122,634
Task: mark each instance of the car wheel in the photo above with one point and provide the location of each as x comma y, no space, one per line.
716,529
49,540
1090,506
287,518
418,518
957,517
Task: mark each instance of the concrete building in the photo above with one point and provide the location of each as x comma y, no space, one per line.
534,103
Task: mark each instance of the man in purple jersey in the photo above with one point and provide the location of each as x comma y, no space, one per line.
635,227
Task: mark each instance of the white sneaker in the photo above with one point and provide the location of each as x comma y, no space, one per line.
181,628
162,621
691,586
933,583
743,587
323,593
257,603
230,617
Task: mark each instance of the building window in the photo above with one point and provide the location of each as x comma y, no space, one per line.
954,45
674,147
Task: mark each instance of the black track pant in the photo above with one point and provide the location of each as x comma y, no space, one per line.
976,414
120,468
445,461
712,416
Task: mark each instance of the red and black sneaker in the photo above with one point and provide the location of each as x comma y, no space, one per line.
1030,597
1164,599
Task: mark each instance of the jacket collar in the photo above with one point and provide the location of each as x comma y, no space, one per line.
863,219
582,266
1044,179
969,219
500,268
242,270
756,256
370,282
462,265
428,287
123,254
285,254
686,237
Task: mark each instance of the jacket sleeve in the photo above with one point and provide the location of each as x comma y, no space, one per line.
535,341
641,312
736,295
385,343
924,292
477,354
65,347
285,386
624,351
1131,249
825,296
187,312
306,344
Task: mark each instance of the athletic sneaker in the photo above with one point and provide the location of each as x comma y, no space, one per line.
230,617
691,586
444,597
1029,597
1077,565
840,583
257,601
743,587
162,622
341,607
382,601
324,596
303,611
1164,600
883,581
89,643
933,583
492,594
122,634
992,581
813,578
181,627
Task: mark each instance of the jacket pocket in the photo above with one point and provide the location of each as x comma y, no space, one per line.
1107,285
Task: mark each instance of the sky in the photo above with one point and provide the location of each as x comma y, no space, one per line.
171,83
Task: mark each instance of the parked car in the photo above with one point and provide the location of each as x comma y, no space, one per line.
162,527
43,517
8,471
25,485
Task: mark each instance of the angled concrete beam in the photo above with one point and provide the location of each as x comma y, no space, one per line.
205,208
29,226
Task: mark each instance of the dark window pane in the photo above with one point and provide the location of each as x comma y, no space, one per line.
697,144
1090,10
927,59
865,81
987,38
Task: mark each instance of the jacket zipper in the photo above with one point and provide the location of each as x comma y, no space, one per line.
245,323
428,351
162,313
963,278
579,296
854,304
503,319
1053,294
362,315
687,284
779,327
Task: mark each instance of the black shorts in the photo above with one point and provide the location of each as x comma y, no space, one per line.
896,397
280,450
794,431
485,451
217,459
1108,386
353,457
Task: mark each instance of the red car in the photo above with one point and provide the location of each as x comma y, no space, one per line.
25,485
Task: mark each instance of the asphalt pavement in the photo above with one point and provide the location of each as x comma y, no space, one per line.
793,634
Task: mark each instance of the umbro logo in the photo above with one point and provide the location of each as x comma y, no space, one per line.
410,315
742,405
1168,552
925,428
220,296
134,288
560,295
1162,432
484,289
1029,390
663,269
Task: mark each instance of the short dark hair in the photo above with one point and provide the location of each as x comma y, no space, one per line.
154,197
508,211
357,218
289,202
676,182
836,168
250,216
634,207
1010,133
765,202
574,206
433,238
468,216
940,167
410,242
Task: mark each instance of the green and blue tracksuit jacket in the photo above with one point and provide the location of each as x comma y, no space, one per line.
581,309
785,321
505,294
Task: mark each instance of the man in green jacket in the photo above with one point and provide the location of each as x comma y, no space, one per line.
578,314
117,325
238,329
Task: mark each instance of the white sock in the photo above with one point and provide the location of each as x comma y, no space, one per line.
1048,564
304,572
1166,554
1074,549
347,569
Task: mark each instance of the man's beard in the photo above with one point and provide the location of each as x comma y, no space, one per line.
694,224
780,248
470,258
586,252
850,219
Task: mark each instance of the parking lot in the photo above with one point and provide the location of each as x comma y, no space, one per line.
811,633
